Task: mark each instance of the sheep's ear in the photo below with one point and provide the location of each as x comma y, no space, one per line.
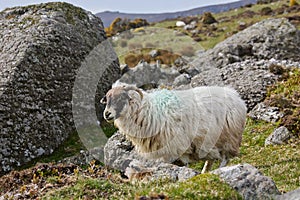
103,100
134,95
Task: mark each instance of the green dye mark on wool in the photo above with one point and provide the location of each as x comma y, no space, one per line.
164,100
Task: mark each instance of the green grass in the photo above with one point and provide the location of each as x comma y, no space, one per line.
205,186
160,38
229,27
84,187
280,162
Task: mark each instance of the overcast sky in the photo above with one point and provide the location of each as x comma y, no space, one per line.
129,6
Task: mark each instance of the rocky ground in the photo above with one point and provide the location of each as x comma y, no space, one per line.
262,63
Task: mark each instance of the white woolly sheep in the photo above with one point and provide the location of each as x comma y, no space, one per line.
203,123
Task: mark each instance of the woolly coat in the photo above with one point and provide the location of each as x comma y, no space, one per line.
203,123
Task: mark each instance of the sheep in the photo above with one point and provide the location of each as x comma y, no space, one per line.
202,123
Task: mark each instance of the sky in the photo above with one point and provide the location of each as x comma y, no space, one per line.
128,6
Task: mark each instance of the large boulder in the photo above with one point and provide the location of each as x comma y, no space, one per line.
271,38
42,49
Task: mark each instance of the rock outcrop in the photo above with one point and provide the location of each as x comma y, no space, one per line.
42,49
268,39
248,181
120,154
243,60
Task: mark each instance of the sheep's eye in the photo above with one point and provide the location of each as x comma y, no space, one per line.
103,100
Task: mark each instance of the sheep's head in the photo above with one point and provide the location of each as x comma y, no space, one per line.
119,100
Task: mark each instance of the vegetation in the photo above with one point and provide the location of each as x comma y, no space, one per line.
120,25
209,30
280,162
230,22
286,96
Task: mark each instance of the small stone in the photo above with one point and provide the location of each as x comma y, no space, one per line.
279,136
180,23
154,53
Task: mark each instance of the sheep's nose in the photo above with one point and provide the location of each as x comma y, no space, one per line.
107,115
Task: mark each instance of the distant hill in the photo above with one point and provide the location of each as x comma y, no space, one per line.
108,16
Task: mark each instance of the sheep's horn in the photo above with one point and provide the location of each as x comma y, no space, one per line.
140,92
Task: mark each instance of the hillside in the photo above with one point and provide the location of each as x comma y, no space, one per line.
253,49
108,16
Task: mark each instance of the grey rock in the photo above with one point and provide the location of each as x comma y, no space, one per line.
190,26
120,154
266,113
293,195
242,60
250,78
182,79
248,181
144,74
43,50
279,136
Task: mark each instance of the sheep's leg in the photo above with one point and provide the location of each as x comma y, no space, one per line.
207,166
224,161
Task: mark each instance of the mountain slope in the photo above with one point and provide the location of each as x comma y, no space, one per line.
108,16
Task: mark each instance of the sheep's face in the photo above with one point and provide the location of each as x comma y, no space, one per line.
118,100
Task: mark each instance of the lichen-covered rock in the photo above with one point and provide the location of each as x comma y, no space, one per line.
263,112
279,136
42,48
120,154
248,181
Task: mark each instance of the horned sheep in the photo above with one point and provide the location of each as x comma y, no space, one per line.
202,123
